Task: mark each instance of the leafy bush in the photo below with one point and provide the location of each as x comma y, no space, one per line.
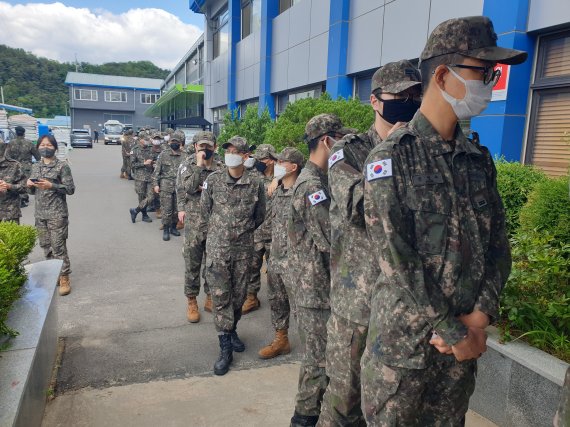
16,242
251,126
515,182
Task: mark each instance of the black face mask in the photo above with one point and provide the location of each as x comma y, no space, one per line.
260,166
47,153
396,110
208,155
175,146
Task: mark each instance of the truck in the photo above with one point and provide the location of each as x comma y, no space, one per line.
113,130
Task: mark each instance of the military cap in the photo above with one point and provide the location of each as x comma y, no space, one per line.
265,151
291,154
239,143
471,36
19,129
204,137
396,77
156,135
169,131
323,124
178,136
129,132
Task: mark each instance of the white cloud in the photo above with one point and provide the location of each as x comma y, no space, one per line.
59,32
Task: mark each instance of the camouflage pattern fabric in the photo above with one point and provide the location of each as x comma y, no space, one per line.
139,154
279,294
22,150
127,145
230,212
52,236
437,226
11,173
52,204
396,77
145,193
323,124
164,176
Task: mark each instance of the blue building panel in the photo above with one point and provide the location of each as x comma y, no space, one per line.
339,85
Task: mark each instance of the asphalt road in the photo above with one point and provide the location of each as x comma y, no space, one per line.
125,321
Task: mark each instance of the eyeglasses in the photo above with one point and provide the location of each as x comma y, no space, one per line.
490,75
404,99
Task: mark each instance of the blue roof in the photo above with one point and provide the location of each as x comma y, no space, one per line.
15,108
196,5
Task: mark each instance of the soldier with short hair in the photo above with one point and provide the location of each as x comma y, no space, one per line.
127,143
437,227
12,184
23,150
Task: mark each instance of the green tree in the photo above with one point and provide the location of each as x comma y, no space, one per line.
251,126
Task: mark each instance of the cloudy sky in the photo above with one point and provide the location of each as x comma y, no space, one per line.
99,31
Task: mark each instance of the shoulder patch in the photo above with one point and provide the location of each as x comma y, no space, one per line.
379,169
336,157
317,197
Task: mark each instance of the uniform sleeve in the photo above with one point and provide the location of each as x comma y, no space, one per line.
498,257
157,172
34,175
35,152
316,217
206,203
261,205
66,186
388,223
347,190
18,184
137,160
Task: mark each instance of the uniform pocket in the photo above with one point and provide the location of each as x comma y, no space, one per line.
432,210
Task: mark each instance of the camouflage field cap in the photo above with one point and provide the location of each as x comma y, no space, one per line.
169,131
323,124
204,137
178,136
396,77
472,36
157,135
239,143
129,132
291,154
265,151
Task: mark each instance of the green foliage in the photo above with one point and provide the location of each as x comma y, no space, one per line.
515,182
251,126
38,83
16,242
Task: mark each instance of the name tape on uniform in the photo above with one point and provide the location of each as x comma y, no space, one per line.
336,157
317,197
379,169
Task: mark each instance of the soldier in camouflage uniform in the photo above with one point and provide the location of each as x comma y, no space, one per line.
308,249
437,227
51,182
12,184
279,280
395,99
265,157
22,150
192,173
143,159
232,207
127,145
164,182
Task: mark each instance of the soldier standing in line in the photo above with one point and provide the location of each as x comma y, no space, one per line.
232,207
127,144
192,173
279,280
51,182
437,228
22,150
142,162
264,157
164,182
12,184
395,99
308,248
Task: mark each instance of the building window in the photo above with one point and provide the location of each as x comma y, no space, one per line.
113,96
221,33
250,17
86,95
548,143
219,114
149,98
288,98
286,4
125,119
362,88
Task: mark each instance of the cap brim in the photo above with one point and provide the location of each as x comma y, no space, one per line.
399,86
347,131
226,145
206,141
498,54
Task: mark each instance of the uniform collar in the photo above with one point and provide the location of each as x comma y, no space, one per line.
317,170
244,179
373,135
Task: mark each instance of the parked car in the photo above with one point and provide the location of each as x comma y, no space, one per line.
81,138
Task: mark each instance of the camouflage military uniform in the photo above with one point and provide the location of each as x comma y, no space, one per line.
51,209
22,150
11,173
437,226
127,145
143,174
308,250
230,212
165,177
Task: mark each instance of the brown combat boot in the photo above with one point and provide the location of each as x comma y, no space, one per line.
208,303
251,303
122,175
64,285
179,225
192,312
159,214
279,346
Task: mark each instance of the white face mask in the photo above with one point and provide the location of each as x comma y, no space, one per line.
167,138
279,172
476,99
249,162
233,160
156,142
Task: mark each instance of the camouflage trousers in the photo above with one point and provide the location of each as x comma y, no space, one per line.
435,396
27,171
313,380
228,282
146,194
261,249
346,342
194,253
52,235
126,167
279,295
168,208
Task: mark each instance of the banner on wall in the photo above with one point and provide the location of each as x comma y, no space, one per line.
500,89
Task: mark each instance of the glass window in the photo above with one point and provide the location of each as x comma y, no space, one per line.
221,33
286,4
363,88
86,95
113,96
246,15
555,56
149,98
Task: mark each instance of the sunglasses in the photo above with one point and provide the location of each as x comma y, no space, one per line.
490,75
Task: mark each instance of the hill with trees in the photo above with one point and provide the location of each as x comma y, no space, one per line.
39,83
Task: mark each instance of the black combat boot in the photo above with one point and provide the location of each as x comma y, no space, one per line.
174,231
166,234
299,420
134,212
145,216
222,365
237,344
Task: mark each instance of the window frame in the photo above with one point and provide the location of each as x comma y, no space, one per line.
109,93
145,96
218,24
92,91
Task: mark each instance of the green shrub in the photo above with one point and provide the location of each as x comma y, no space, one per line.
515,182
251,126
16,242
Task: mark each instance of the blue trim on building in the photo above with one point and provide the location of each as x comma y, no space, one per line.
339,85
196,5
234,31
112,87
502,125
269,10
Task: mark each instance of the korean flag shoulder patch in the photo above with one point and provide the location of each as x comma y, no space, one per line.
317,197
379,169
336,157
